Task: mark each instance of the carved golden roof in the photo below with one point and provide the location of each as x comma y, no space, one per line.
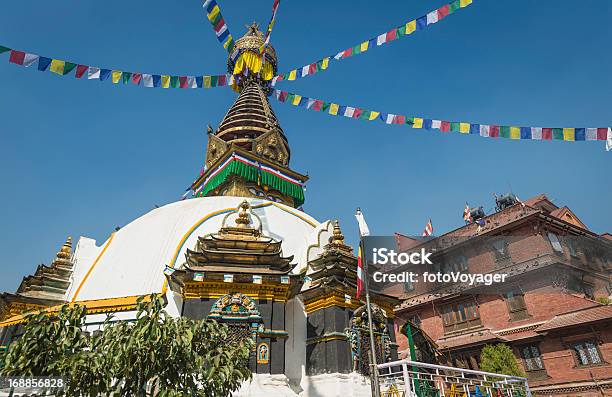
239,246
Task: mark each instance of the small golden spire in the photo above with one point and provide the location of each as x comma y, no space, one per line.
337,237
66,250
243,216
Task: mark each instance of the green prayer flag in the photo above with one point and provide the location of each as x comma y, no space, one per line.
126,77
290,98
69,67
401,31
504,131
558,134
454,126
357,49
325,107
214,80
365,115
4,49
410,120
174,82
230,46
454,6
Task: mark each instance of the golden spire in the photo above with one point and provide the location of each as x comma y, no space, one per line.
336,241
243,220
62,258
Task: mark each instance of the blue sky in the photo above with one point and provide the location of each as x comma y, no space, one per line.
81,157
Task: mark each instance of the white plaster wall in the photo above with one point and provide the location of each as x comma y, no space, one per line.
295,345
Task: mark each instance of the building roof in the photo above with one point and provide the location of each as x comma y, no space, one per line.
132,260
578,317
473,338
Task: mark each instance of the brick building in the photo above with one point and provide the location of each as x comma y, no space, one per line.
551,310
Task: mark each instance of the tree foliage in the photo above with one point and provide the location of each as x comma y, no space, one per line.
155,355
499,359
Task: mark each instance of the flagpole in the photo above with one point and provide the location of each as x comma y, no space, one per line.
374,368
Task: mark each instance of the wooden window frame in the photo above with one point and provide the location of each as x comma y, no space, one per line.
577,363
450,311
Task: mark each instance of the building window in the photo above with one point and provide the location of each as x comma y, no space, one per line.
586,353
465,360
456,264
516,305
532,358
571,246
460,315
500,250
556,244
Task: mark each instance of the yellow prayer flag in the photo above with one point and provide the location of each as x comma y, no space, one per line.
206,81
228,41
465,3
165,81
515,133
292,74
464,128
296,100
411,26
57,66
213,13
364,46
117,76
569,134
325,63
333,109
417,123
374,115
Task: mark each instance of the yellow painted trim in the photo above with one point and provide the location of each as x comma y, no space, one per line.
217,289
110,239
93,306
296,214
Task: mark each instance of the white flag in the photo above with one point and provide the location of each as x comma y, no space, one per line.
363,226
381,39
436,124
609,140
29,59
147,80
432,17
93,73
349,111
191,82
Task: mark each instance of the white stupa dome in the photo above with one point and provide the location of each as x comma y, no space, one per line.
132,260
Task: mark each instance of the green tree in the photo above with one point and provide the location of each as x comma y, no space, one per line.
499,359
155,355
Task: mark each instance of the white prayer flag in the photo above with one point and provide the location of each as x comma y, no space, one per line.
609,140
363,226
381,39
484,130
305,70
436,124
349,111
390,118
191,82
339,55
93,73
432,17
147,80
591,134
536,133
29,59
311,101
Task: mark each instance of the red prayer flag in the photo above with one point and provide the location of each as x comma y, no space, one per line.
219,25
347,53
17,57
136,77
391,35
399,119
283,96
547,134
222,80
81,70
183,81
317,105
312,68
445,126
442,11
494,131
357,113
359,273
602,134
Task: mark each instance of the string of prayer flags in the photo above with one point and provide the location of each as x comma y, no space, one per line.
270,26
64,68
222,32
406,29
483,130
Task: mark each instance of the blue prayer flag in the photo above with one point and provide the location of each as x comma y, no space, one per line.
427,124
525,133
105,74
156,80
341,110
579,134
43,63
223,35
475,129
421,22
200,81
